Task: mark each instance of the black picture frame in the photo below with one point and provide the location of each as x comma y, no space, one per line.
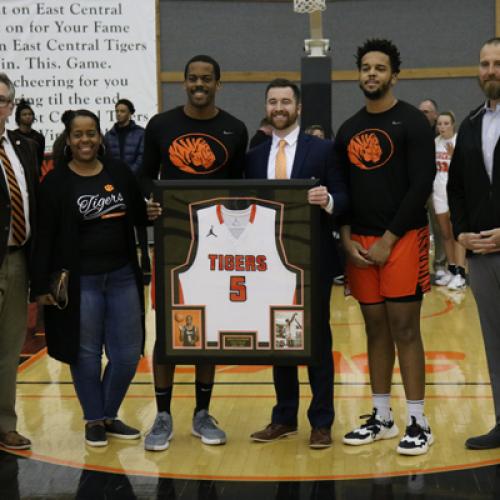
216,272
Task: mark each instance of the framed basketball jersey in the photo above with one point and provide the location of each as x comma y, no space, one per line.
236,271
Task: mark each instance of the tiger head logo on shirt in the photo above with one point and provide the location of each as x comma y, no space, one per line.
197,153
370,149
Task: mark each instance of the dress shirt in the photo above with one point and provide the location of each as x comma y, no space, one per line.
490,135
290,149
21,180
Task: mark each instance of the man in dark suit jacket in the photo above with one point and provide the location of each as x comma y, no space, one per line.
17,205
293,154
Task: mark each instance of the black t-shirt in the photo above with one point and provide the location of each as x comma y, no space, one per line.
102,226
179,147
389,161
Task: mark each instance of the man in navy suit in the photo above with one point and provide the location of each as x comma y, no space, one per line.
290,154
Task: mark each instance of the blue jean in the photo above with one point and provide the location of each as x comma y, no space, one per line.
110,316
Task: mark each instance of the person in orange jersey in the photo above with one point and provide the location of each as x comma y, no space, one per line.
387,151
197,140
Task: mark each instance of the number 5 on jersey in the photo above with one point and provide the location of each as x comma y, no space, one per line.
238,289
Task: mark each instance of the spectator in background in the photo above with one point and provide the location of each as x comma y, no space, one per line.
24,118
316,130
263,133
125,141
429,108
455,253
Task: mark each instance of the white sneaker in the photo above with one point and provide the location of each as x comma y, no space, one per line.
457,283
444,279
372,430
417,439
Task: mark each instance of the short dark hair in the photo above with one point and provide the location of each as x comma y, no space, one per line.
205,59
283,82
380,45
312,128
85,113
21,106
127,103
492,41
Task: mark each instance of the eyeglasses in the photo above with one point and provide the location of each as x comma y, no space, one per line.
4,101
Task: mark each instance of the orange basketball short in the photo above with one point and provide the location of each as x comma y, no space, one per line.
405,272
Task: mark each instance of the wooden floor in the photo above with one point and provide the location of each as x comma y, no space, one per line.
458,404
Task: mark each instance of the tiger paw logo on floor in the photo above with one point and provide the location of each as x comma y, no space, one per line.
197,154
370,149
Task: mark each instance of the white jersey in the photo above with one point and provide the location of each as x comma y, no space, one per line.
237,273
443,160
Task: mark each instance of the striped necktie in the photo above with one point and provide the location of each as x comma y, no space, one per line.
18,224
281,161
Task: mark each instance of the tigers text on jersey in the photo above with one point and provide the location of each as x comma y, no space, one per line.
236,271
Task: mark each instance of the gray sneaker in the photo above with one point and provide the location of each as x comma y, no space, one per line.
158,437
204,427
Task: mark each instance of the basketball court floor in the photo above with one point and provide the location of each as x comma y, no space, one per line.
458,404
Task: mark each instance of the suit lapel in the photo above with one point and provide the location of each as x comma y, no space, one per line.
478,129
301,151
3,182
264,158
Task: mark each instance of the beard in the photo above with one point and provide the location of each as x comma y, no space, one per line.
376,94
491,88
291,118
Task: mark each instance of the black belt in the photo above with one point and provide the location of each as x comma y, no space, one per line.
14,248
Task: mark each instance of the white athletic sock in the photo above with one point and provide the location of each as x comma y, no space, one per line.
416,409
383,404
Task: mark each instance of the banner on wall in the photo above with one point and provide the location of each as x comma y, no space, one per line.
64,54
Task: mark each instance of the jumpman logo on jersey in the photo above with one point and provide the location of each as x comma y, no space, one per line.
211,232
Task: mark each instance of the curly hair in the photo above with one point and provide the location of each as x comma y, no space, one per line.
21,106
380,45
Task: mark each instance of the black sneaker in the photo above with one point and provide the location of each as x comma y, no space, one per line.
485,441
416,440
95,435
118,429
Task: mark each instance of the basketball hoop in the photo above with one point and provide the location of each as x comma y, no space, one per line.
316,45
308,6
